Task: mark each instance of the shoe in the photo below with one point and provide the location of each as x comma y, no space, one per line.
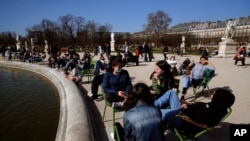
93,97
112,135
182,97
117,104
184,91
167,132
243,66
90,94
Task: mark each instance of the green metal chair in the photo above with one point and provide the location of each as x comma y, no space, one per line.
183,137
208,75
90,72
114,110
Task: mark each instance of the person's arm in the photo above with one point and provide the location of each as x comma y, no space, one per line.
211,65
127,128
128,84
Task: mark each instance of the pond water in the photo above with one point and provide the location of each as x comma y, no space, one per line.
29,106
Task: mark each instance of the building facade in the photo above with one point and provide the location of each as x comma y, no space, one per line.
209,33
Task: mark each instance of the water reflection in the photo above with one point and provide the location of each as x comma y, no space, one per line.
29,106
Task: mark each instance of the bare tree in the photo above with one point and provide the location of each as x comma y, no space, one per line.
91,28
7,38
71,26
51,31
103,33
158,23
35,32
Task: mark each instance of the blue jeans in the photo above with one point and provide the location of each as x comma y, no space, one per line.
186,81
168,98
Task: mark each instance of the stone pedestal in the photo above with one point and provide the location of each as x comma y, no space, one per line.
112,45
227,48
183,45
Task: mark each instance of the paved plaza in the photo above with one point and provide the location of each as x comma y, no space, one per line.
228,76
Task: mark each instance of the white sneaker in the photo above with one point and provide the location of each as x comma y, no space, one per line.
117,104
90,94
112,135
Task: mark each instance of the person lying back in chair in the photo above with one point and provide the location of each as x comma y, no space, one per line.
207,114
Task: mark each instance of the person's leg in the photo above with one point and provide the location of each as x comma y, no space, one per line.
169,114
196,82
97,80
171,98
236,60
66,68
243,62
114,98
145,57
165,56
185,84
168,98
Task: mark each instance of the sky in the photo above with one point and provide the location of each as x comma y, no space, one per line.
123,15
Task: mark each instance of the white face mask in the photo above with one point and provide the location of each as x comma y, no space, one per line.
119,70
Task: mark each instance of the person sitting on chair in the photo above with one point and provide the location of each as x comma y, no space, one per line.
162,79
183,67
116,82
207,114
100,69
196,75
142,120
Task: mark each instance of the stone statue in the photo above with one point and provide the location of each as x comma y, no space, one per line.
18,44
46,46
32,43
18,38
112,36
230,30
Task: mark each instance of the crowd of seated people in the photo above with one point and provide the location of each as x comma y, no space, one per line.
10,53
141,99
141,105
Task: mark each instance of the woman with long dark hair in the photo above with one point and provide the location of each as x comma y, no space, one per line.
162,79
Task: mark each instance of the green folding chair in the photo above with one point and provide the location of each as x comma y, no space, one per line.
114,110
90,71
208,75
183,137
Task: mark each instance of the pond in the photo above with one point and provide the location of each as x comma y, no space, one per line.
29,106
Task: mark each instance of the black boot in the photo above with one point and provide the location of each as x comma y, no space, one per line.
184,91
182,97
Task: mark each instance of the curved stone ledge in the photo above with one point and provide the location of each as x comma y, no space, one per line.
74,122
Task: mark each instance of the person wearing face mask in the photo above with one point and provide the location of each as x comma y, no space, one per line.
116,82
100,69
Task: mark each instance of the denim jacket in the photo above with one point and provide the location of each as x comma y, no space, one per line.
143,123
